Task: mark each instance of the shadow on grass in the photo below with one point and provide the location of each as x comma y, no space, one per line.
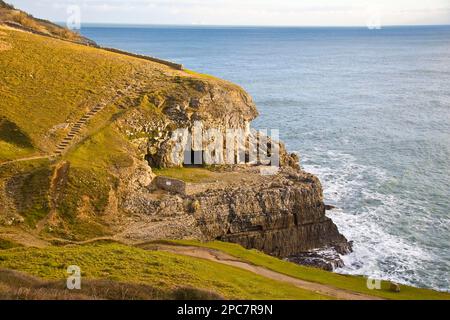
20,286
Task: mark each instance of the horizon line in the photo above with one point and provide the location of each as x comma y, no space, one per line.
250,25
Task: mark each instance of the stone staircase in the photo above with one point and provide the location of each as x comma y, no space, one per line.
81,123
76,128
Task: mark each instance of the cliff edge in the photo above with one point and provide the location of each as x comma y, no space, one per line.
111,151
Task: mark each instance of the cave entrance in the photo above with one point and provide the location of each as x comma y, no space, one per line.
193,158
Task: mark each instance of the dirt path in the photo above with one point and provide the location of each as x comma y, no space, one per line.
220,257
25,159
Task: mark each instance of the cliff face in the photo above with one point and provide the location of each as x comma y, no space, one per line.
114,179
282,215
194,103
189,101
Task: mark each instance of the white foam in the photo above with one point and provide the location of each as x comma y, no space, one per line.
366,217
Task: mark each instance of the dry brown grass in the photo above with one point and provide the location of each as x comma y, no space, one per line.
9,14
26,21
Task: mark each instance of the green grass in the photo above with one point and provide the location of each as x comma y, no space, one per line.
90,180
353,283
194,175
13,142
82,203
10,151
111,261
103,150
200,75
22,167
7,244
33,196
45,82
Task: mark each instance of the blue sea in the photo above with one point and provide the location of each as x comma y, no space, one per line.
367,110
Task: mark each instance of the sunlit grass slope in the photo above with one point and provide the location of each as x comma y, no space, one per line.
111,261
353,283
45,83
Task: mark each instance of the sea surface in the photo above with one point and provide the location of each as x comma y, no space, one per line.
367,110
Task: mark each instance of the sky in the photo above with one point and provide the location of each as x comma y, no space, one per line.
244,12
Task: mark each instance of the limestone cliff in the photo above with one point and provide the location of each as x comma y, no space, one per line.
113,176
282,215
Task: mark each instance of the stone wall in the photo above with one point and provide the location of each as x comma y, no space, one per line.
88,42
174,65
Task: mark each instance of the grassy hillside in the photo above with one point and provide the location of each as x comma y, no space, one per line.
150,274
10,14
53,83
47,85
353,283
160,270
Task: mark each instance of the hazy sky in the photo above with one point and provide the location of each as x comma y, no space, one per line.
246,12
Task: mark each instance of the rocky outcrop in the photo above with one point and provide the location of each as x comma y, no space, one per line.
282,215
327,259
197,105
280,220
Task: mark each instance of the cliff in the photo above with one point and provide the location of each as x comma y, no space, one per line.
281,215
83,160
